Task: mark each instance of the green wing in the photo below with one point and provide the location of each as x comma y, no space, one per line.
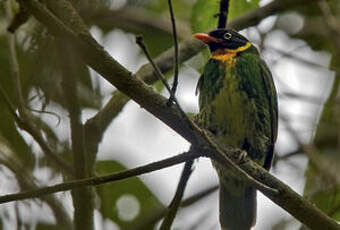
210,82
272,97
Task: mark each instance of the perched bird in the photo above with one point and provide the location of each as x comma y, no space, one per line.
238,105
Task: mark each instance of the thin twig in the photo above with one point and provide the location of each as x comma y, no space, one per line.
45,112
139,41
223,15
286,156
174,35
92,181
198,196
173,208
176,201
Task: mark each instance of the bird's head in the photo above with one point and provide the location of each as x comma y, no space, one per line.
223,39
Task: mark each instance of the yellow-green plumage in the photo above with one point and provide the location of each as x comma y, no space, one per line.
238,106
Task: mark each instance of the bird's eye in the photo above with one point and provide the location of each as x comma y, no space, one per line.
227,35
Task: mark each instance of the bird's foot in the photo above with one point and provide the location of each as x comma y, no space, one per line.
240,156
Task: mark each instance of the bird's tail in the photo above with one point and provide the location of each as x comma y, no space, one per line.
237,208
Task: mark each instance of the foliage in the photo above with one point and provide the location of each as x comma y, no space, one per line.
127,202
205,13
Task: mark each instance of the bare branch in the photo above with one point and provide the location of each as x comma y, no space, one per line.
286,156
174,35
92,181
158,72
198,196
161,77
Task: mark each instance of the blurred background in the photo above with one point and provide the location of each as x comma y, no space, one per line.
299,40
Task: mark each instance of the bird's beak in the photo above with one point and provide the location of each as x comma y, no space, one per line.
206,38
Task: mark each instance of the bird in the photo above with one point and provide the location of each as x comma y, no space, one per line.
238,107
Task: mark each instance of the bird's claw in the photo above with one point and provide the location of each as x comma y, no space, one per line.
240,156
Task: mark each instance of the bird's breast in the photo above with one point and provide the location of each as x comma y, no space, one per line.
228,115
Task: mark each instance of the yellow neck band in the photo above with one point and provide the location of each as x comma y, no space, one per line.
227,55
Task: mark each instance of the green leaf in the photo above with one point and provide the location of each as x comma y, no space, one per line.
203,13
238,7
126,202
202,18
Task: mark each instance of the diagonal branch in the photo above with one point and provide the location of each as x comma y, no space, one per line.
174,35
